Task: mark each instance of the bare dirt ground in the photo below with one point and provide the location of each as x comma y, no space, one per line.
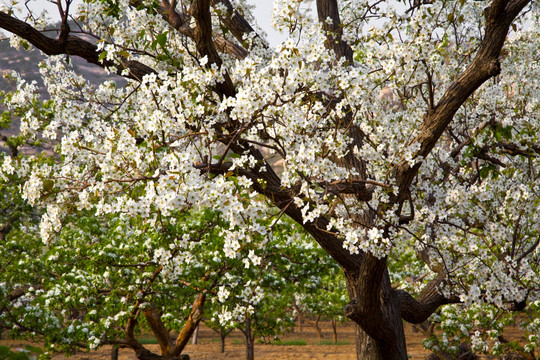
208,347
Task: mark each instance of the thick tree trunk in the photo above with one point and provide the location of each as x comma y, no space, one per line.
145,354
387,339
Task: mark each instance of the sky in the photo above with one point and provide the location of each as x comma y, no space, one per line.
263,14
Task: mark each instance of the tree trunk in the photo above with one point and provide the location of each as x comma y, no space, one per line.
114,352
195,336
250,346
318,328
145,354
386,338
334,329
314,324
222,336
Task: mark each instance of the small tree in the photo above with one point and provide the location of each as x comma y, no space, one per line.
325,298
258,300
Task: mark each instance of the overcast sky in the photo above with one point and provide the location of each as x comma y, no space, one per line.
263,14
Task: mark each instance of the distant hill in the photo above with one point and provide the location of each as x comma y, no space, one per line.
26,63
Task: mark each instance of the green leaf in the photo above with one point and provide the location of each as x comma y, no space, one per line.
5,120
102,56
162,57
162,39
484,172
506,132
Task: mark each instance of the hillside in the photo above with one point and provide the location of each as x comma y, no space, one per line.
27,63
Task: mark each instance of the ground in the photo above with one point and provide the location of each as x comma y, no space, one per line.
298,345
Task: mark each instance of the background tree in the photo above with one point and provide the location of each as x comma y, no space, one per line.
324,297
445,163
106,279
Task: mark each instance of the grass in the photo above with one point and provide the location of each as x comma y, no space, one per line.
292,342
150,340
145,340
331,342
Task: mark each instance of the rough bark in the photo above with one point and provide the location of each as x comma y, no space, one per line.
376,310
430,299
191,324
328,9
205,46
374,306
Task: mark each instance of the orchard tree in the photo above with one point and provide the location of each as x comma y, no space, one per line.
378,127
324,296
260,299
107,278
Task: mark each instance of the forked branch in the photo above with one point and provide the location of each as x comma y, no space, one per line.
499,17
430,299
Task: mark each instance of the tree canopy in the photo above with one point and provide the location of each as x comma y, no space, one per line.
385,129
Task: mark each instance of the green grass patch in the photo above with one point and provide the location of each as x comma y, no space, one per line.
294,342
148,340
331,342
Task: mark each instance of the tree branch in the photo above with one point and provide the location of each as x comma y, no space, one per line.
266,182
159,330
484,66
235,22
72,45
430,299
205,46
191,324
180,22
328,9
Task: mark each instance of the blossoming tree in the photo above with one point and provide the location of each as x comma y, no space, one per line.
381,128
107,279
